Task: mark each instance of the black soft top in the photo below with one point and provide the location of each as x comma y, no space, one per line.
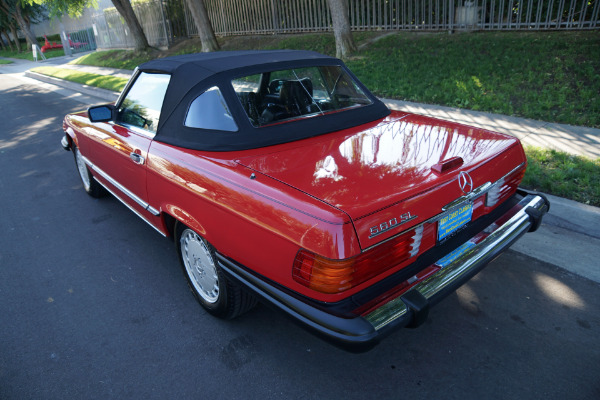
220,61
192,74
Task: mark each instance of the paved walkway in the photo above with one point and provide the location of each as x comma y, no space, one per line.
568,138
121,73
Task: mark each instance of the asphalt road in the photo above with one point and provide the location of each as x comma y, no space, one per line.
93,305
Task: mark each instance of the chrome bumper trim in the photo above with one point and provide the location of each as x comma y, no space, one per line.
131,208
64,142
449,277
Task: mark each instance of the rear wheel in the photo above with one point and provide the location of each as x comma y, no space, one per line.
90,185
214,291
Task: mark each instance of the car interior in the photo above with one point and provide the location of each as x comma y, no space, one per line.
270,100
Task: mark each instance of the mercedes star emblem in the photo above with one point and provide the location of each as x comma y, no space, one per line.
465,182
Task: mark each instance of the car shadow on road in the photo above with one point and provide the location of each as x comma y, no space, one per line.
520,325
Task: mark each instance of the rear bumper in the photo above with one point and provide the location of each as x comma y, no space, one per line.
362,331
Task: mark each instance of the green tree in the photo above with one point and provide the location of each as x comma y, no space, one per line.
58,8
22,14
5,27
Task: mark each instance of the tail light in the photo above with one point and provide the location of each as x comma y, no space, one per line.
504,187
494,193
334,276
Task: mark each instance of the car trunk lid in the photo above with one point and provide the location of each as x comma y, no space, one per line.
392,174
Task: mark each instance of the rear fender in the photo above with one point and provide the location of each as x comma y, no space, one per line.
180,216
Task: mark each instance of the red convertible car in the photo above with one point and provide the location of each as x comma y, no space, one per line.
283,179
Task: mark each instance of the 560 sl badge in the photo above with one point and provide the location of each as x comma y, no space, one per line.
392,223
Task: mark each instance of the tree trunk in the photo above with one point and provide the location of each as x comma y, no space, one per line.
344,43
24,26
124,8
9,9
28,25
13,31
205,29
2,41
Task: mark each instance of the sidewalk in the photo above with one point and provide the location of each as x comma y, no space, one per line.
578,140
570,235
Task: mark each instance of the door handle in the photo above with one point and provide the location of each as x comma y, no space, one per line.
137,158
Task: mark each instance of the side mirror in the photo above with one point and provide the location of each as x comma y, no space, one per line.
102,113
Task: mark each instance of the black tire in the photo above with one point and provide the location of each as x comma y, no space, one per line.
90,185
218,295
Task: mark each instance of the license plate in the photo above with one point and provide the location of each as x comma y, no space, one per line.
454,220
453,255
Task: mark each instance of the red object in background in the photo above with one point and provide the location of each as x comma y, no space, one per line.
50,46
76,45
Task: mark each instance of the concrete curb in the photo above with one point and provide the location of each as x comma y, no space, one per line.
106,95
568,238
574,216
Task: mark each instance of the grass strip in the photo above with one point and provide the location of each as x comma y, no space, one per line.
28,54
5,61
564,175
548,76
121,59
114,83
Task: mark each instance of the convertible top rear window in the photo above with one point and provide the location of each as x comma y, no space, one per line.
273,97
209,111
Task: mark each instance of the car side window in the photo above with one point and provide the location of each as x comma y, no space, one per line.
210,111
142,104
